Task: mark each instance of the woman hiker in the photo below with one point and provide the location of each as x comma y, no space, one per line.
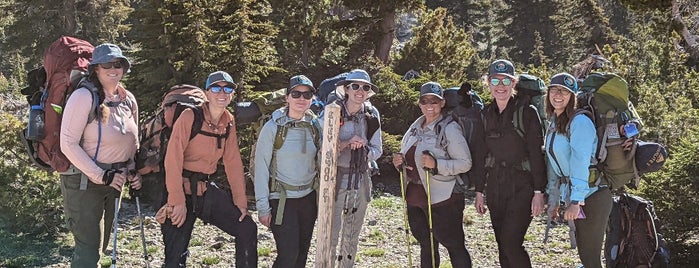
435,152
190,194
516,173
100,143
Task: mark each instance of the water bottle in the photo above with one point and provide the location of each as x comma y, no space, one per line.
35,127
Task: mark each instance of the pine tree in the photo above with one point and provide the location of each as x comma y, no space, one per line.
182,42
522,19
581,28
32,25
438,47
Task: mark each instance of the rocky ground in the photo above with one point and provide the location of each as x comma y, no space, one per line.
382,243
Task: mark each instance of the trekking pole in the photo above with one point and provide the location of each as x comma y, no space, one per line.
117,205
429,205
136,193
405,211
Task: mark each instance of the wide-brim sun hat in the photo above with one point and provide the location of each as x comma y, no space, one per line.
564,80
356,75
106,53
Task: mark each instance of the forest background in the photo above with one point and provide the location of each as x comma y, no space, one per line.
653,44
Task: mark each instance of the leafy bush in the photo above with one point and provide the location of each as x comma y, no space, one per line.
29,198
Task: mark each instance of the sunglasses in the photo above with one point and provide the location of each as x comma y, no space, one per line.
426,101
109,65
357,86
297,94
505,81
226,89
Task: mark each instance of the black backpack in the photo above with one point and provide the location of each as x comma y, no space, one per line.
464,106
632,237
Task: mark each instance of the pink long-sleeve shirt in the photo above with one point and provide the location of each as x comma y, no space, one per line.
119,140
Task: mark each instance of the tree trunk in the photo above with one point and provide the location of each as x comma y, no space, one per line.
681,29
70,25
387,29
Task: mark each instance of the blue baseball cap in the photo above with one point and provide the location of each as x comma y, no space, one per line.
106,53
502,67
219,76
432,88
299,80
565,80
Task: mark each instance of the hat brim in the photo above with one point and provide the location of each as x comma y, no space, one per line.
109,58
432,94
309,86
340,88
219,81
559,85
349,81
508,75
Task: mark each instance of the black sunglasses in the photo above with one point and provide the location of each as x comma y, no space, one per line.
226,89
354,86
297,94
109,65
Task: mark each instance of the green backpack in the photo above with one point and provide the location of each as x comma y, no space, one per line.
530,93
604,97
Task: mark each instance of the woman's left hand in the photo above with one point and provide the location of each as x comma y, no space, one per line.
571,212
537,204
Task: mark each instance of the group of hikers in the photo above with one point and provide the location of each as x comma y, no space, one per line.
511,177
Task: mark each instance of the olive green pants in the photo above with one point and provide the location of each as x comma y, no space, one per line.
89,215
589,232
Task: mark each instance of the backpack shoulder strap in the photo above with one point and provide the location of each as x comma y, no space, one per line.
197,123
373,123
441,128
95,97
518,120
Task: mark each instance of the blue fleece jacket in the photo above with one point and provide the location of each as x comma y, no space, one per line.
573,156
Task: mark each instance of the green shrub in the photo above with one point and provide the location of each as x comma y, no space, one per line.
30,200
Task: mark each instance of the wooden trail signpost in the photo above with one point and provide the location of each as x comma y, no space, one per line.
326,192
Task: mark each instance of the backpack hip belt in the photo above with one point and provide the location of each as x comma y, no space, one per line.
490,162
83,178
281,187
194,179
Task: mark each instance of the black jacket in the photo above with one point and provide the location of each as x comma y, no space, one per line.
509,149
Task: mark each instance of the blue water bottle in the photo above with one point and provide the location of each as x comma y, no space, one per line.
35,127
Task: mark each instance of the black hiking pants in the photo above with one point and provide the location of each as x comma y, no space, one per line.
293,236
214,207
509,196
447,224
589,232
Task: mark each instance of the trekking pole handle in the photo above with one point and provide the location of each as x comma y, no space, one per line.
133,192
426,152
402,165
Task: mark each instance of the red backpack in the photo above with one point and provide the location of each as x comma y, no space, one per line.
48,90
